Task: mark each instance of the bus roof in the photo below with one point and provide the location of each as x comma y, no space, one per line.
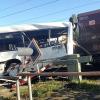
33,27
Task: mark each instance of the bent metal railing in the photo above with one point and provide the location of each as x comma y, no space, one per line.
29,75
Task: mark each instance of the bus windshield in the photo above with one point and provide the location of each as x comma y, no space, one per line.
10,41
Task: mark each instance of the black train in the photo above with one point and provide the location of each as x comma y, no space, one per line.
87,31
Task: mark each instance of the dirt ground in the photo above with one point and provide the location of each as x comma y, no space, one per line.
65,94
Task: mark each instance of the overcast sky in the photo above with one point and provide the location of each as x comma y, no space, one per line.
14,12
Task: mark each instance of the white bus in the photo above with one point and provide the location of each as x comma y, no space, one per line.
51,40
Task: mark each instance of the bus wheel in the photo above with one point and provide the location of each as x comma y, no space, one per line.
12,70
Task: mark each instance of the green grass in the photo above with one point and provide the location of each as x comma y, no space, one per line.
42,89
45,89
87,85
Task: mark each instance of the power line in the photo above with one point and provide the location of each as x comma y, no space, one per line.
61,11
57,12
55,20
16,4
34,7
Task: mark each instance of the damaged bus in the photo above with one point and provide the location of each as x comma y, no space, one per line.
23,47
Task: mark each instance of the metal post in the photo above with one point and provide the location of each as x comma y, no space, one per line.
29,88
74,65
38,72
17,89
70,40
49,32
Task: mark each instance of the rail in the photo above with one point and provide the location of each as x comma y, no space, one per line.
28,75
92,73
96,73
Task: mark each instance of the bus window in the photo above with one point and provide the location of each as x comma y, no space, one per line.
12,47
10,41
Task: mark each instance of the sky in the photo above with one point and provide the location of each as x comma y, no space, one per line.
15,12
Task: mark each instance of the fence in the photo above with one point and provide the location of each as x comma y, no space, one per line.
96,73
74,68
29,75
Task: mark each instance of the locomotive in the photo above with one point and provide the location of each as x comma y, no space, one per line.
86,28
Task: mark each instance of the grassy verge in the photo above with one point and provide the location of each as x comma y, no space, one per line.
87,85
45,89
